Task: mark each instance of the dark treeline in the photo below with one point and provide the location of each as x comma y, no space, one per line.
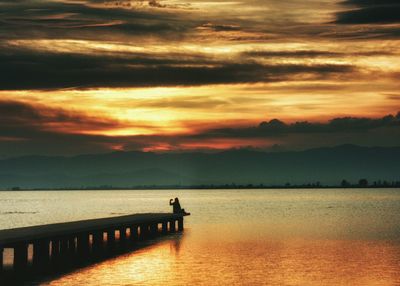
362,183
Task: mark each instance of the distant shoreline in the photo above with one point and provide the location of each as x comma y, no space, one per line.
205,187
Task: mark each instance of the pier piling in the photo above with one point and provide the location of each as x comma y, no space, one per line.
172,225
1,259
97,243
64,243
180,224
55,249
72,246
83,245
20,256
153,229
111,239
133,235
63,247
41,254
164,227
122,235
144,231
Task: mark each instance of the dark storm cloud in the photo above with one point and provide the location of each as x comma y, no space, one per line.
310,54
130,3
35,129
45,142
370,12
28,69
370,3
292,54
19,119
220,27
32,129
59,20
276,127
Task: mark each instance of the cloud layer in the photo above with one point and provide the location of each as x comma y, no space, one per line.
27,69
138,23
28,129
94,76
370,12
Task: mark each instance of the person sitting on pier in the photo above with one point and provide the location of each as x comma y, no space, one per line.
176,206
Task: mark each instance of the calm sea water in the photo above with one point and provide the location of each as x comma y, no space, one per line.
236,237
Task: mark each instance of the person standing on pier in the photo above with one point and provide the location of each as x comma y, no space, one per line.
176,206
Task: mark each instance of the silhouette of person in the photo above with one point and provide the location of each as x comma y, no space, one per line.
176,206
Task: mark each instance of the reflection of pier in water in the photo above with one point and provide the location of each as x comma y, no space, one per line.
62,246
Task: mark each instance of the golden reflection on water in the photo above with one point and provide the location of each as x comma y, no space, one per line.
237,237
188,260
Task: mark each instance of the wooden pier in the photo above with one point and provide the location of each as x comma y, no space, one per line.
54,244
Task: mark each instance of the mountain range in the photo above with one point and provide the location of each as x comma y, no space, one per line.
328,166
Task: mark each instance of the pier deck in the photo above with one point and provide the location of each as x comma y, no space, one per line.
8,237
82,239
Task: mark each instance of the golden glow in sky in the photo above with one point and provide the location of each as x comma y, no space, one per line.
178,68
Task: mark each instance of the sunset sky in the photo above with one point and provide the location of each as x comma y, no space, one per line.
88,76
